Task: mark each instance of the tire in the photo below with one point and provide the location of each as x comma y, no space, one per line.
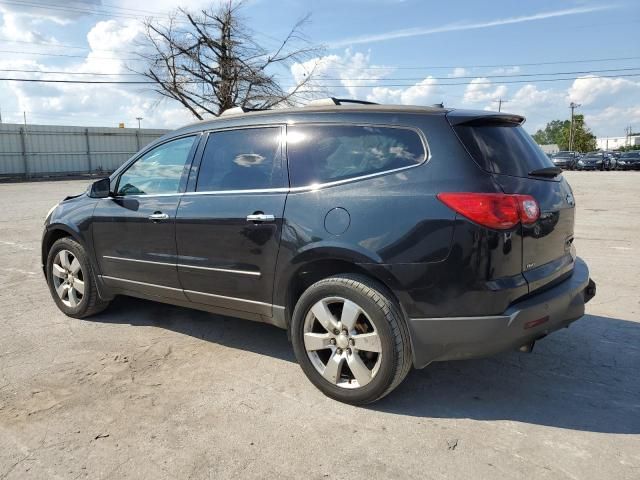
71,280
375,324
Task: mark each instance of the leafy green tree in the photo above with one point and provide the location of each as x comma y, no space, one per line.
583,139
558,132
552,133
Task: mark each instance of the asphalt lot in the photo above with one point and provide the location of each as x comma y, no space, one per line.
151,391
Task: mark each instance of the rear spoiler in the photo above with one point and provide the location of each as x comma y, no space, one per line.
477,118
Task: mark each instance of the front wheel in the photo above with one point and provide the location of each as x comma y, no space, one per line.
71,281
351,339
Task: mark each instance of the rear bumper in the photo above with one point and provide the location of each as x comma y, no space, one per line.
457,338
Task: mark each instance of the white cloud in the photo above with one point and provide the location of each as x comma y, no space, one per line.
510,70
419,94
458,72
530,97
481,90
352,71
87,104
593,90
459,26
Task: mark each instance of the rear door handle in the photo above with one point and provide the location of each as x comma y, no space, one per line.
260,217
158,216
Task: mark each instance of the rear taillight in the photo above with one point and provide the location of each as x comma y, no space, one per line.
493,210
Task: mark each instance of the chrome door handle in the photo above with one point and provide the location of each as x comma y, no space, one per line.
158,216
260,217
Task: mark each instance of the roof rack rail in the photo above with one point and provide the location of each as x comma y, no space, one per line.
336,101
236,110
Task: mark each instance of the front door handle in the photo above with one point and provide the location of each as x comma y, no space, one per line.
158,216
260,217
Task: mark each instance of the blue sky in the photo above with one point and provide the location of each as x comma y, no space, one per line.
463,53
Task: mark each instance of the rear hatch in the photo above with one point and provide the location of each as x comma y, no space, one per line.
499,144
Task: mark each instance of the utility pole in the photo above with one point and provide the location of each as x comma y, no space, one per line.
572,106
0,115
139,120
500,102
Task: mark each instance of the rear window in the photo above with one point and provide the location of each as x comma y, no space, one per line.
328,153
504,148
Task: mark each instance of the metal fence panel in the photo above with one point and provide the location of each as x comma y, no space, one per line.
37,150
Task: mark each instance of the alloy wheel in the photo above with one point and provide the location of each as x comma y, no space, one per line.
342,342
68,278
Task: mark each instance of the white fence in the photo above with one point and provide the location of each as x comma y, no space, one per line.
41,150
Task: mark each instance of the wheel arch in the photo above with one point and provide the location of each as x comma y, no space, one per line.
54,233
304,274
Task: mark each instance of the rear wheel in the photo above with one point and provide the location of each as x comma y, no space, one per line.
71,281
350,339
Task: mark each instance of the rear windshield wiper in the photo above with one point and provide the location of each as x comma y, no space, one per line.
546,172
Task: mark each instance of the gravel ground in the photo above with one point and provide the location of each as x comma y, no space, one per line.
151,391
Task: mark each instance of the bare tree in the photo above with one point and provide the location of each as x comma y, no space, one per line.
210,61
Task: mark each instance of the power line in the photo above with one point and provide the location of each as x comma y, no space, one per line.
513,75
133,82
65,55
63,72
58,8
558,62
56,72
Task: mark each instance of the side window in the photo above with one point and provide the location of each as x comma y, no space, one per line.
157,171
243,159
327,153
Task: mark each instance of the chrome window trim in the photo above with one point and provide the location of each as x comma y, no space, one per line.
319,186
117,174
214,269
420,133
417,131
304,188
147,148
282,154
243,300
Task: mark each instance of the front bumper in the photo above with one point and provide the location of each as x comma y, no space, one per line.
457,338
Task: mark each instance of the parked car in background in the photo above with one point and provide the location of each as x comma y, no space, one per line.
597,161
629,161
565,159
381,237
611,160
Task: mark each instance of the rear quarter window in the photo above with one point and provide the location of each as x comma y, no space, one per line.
504,148
328,153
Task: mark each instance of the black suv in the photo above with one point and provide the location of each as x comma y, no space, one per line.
379,237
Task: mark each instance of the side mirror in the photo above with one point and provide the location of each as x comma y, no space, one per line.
100,188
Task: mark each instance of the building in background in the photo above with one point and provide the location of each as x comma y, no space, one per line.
550,148
612,143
